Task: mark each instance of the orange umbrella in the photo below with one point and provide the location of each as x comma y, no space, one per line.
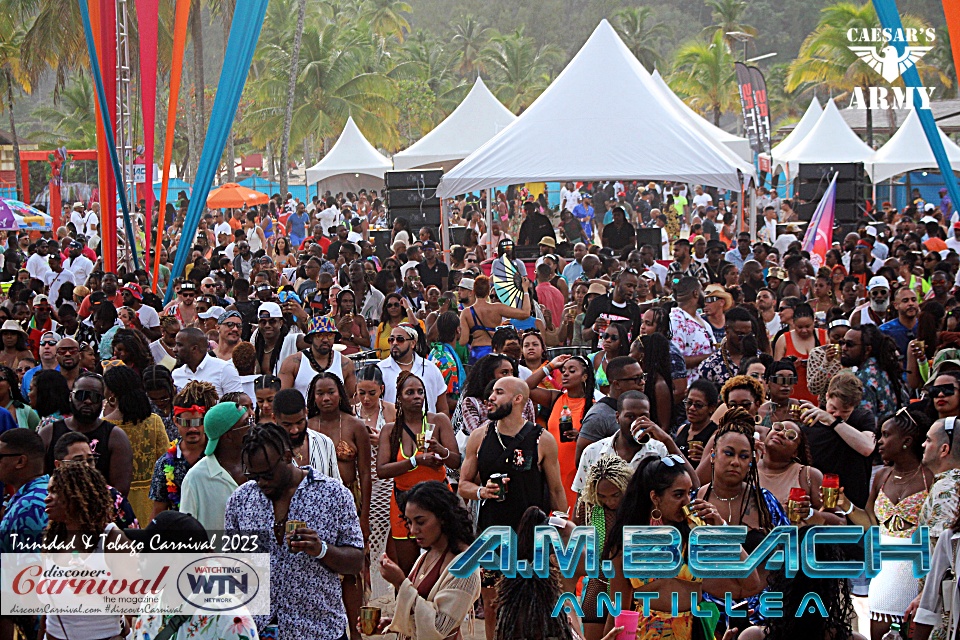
232,195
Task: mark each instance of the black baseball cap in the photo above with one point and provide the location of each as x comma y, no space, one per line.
170,528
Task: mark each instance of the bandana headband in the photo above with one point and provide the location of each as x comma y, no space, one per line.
178,410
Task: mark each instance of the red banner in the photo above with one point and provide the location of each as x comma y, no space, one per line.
147,17
108,197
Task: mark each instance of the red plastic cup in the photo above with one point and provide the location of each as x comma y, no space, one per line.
797,494
628,620
831,481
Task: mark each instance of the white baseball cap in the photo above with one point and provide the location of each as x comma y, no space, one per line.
878,282
268,310
213,312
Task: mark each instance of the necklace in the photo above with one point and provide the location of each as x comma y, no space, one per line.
729,502
906,477
423,573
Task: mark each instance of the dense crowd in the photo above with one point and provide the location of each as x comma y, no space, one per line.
373,407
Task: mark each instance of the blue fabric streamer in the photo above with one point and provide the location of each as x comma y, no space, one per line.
244,33
890,19
107,125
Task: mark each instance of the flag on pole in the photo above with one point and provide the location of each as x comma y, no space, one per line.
819,233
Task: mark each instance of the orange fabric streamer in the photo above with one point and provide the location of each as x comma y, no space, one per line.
176,71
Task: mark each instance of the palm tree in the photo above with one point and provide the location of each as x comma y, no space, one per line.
291,94
46,43
728,16
520,69
942,58
704,74
425,59
825,58
12,78
72,121
470,37
386,17
642,38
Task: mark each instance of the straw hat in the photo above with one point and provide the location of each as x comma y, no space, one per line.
718,291
12,325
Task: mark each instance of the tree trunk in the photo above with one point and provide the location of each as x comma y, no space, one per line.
716,115
228,7
13,137
869,126
199,113
270,166
192,145
291,92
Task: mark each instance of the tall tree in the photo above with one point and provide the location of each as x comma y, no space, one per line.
386,17
641,35
520,69
469,38
291,95
704,75
71,121
13,79
728,18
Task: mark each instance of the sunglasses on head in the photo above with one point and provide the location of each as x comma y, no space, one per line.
673,460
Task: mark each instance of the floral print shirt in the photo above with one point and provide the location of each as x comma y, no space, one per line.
168,474
691,336
878,395
305,596
940,507
198,627
25,513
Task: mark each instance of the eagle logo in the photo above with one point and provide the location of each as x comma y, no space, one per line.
888,62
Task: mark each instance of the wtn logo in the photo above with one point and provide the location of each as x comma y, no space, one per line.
224,584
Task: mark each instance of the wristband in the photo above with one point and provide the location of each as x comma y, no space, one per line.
479,489
547,370
836,423
809,515
413,461
848,511
323,550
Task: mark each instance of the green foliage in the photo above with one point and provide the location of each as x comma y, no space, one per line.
70,122
704,76
415,104
641,34
519,68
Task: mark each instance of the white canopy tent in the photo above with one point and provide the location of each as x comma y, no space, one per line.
633,133
352,163
475,120
739,146
803,128
908,150
830,140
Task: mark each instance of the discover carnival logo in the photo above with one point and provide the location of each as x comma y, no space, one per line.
876,48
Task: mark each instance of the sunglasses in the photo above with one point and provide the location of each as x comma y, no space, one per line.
946,390
634,379
266,475
611,336
232,325
48,343
393,305
187,423
82,395
789,433
64,351
397,340
91,459
23,369
673,460
710,299
746,404
849,344
693,404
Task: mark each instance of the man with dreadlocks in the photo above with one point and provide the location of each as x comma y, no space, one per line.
299,369
734,488
305,592
523,451
189,407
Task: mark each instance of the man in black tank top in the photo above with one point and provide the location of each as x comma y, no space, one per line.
525,453
112,446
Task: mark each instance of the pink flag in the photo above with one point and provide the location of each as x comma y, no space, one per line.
148,17
817,239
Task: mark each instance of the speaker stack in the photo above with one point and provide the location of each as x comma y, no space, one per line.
852,185
412,195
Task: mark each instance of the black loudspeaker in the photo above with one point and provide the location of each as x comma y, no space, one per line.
848,171
651,236
417,217
813,191
405,198
457,235
413,179
852,184
844,212
526,252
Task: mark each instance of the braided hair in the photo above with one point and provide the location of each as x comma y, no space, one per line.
201,394
263,435
401,420
157,377
914,424
738,420
127,386
884,349
611,468
483,372
313,410
589,383
85,489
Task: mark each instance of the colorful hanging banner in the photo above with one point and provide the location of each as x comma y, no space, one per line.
750,126
951,9
108,78
244,33
890,19
147,21
107,214
176,73
760,103
817,239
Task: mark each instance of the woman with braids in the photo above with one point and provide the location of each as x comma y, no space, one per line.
657,320
602,493
834,594
734,488
573,402
50,397
265,388
189,407
81,512
375,413
127,406
898,492
656,495
158,383
12,400
431,602
655,360
412,457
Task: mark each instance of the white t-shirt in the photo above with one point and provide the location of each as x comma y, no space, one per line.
149,317
664,244
53,280
37,266
953,243
224,228
569,199
86,222
81,266
702,200
353,236
329,217
428,373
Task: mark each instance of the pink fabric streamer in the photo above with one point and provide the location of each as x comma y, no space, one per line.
148,17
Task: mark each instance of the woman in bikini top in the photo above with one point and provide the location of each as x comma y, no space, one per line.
481,319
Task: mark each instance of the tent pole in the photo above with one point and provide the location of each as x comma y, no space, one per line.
489,218
752,217
445,234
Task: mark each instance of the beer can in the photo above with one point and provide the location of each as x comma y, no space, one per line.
500,479
291,529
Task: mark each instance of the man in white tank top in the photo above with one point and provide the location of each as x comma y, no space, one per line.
299,369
